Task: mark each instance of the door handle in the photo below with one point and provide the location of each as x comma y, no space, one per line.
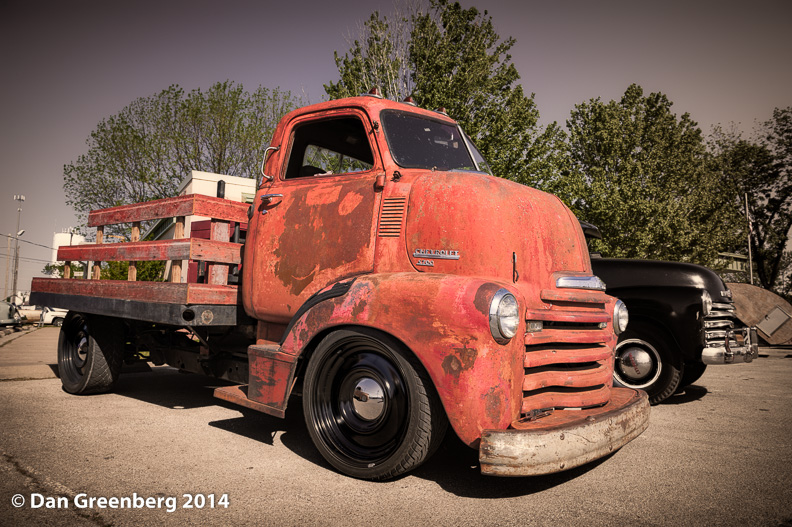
266,199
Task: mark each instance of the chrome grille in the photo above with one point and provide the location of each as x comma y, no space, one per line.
718,324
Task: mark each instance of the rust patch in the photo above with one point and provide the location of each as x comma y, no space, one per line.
359,308
463,359
494,404
484,297
322,235
452,366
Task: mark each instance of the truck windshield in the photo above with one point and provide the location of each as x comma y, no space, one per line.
420,142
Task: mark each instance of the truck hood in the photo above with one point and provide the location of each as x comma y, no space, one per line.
480,225
620,273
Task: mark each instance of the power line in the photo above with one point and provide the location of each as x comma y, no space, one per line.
27,258
31,243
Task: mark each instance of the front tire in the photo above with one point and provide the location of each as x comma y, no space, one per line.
370,407
693,372
85,366
644,361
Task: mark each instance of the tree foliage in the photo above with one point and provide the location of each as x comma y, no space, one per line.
149,147
760,169
454,59
638,172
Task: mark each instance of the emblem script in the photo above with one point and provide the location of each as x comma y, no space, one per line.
436,254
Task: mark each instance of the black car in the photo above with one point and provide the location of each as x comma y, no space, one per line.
682,319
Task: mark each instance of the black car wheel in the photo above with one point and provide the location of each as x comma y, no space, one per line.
58,322
370,407
643,360
693,372
85,366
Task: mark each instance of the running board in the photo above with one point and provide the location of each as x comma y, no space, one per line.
238,394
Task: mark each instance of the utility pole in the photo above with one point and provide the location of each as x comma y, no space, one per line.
8,267
20,198
750,230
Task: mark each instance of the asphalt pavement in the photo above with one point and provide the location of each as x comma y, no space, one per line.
162,451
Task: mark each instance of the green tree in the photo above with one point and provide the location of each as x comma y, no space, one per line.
638,172
761,169
149,147
454,59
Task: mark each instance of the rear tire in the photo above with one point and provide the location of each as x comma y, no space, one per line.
644,361
84,365
370,408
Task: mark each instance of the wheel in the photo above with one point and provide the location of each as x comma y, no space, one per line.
693,372
370,408
85,366
644,360
17,319
58,322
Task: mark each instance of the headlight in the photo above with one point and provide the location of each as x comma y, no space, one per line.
706,303
504,316
620,317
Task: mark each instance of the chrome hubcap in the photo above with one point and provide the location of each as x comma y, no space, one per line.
638,363
635,363
368,400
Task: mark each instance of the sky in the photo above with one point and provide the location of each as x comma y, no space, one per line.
68,65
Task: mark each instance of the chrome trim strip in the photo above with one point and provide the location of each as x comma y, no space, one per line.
593,283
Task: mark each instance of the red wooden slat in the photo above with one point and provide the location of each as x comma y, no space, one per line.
182,249
190,205
158,292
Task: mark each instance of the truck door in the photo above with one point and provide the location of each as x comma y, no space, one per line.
314,224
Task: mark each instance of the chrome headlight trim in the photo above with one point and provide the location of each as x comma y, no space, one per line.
620,317
504,316
706,302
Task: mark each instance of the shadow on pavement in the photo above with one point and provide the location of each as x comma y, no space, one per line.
455,468
169,388
689,394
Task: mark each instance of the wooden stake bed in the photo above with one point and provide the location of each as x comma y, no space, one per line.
172,302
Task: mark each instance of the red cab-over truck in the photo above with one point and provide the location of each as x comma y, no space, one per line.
389,279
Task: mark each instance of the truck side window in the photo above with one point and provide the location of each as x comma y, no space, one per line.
329,146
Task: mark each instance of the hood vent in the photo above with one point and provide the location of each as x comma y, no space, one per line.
391,217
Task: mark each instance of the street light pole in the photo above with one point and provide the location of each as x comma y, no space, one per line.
20,198
8,268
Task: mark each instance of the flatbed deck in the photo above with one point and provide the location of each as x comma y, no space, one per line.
173,302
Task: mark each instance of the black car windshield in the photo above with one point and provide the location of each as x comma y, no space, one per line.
420,142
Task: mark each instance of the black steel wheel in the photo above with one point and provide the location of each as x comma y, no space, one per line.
644,361
370,407
83,365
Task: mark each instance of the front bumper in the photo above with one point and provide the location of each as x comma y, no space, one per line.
739,345
566,438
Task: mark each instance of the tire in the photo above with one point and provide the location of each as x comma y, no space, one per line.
58,322
370,408
84,366
644,361
693,372
17,319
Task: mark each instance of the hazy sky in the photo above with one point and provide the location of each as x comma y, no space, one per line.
68,64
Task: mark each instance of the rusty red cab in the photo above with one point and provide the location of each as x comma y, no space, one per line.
394,283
